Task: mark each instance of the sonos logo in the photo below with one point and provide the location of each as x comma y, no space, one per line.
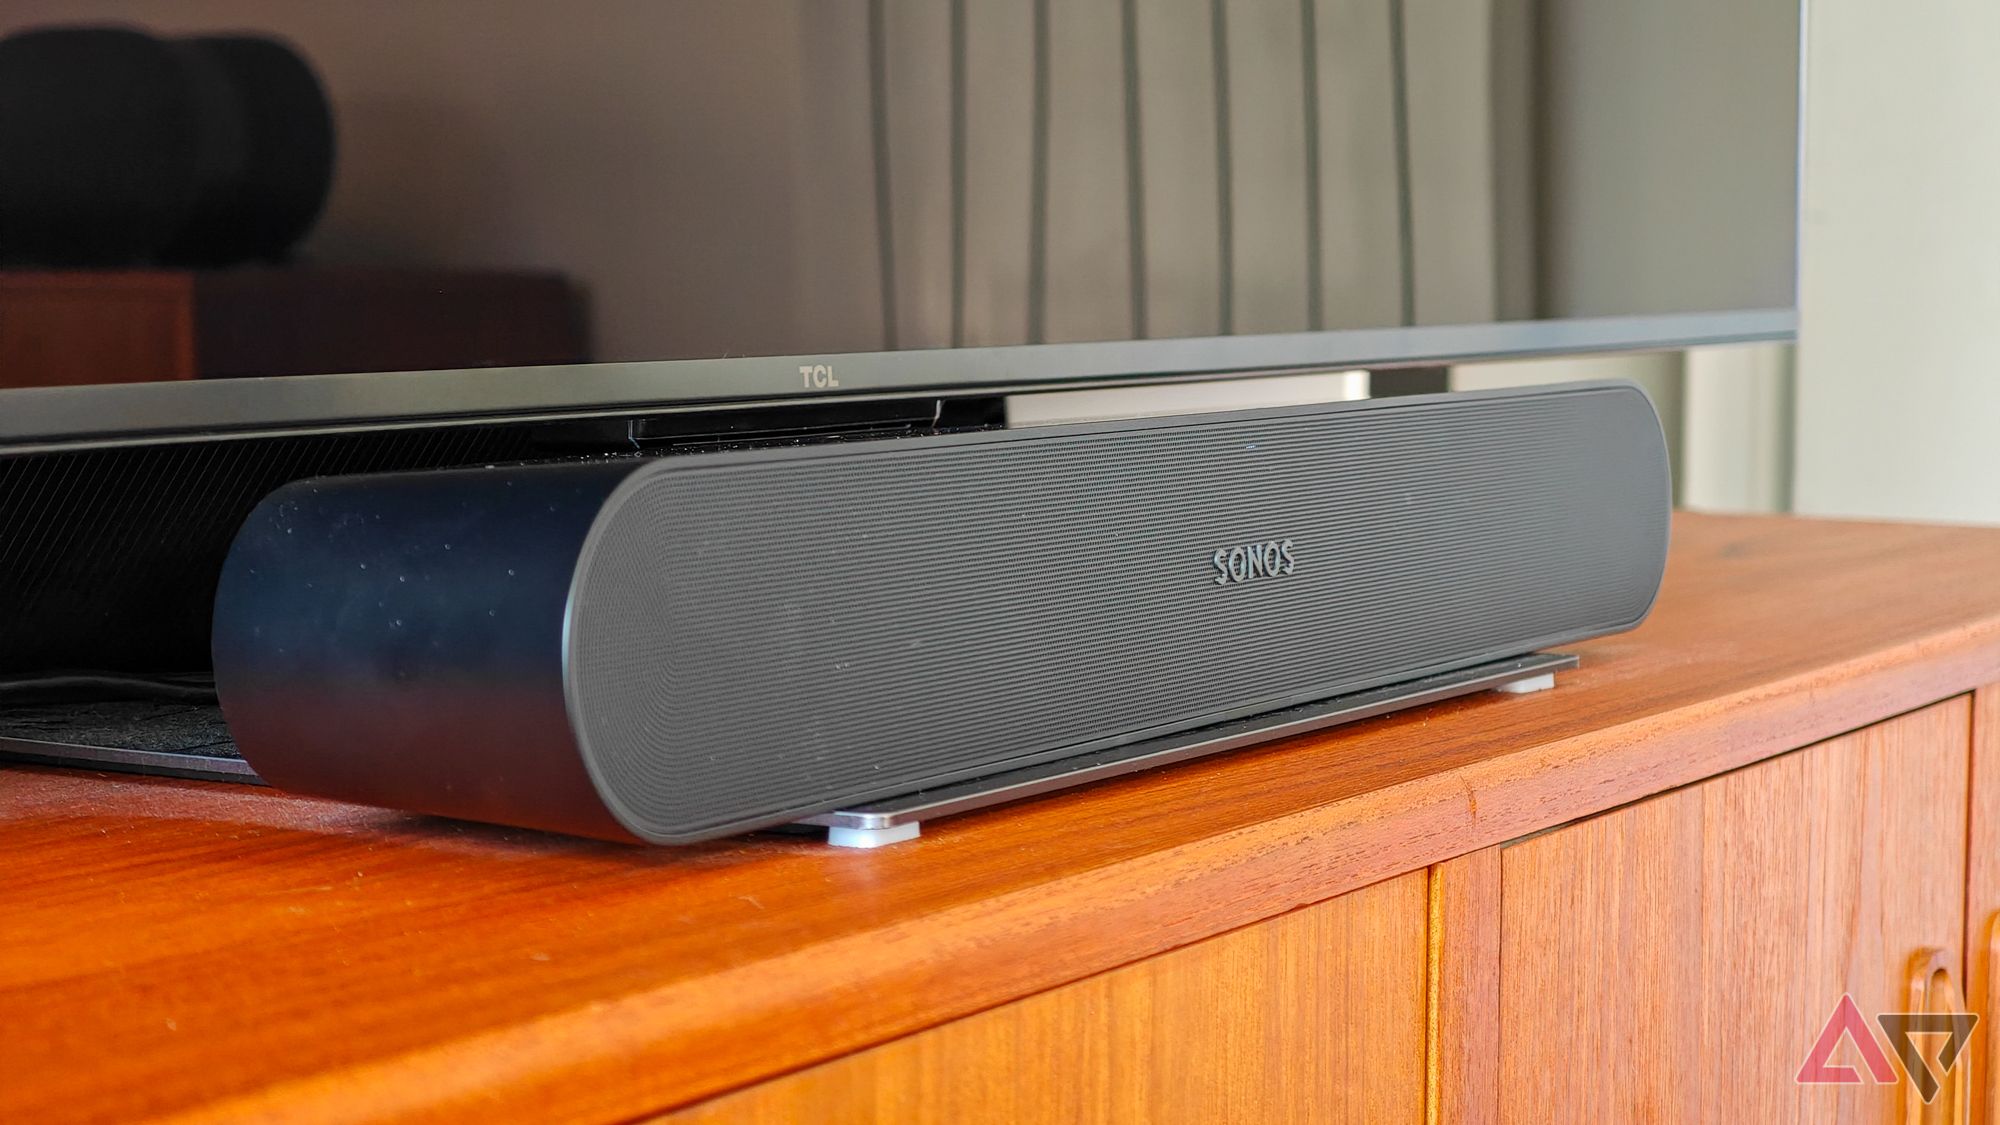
1272,559
817,376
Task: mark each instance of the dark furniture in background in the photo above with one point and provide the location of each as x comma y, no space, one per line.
129,326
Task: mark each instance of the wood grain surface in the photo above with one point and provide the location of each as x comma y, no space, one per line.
1676,960
1316,1015
233,954
1462,1065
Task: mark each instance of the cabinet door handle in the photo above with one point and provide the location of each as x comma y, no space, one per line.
1933,991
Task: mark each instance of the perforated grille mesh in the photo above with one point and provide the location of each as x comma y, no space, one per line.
758,639
109,557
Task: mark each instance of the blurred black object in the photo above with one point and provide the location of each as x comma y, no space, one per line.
71,687
118,148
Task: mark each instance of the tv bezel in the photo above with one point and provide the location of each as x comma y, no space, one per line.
46,419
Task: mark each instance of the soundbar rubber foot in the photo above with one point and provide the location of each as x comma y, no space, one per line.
1543,682
873,837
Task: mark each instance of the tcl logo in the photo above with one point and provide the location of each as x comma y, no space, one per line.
1271,559
817,376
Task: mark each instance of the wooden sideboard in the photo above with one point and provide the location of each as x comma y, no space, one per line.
1636,897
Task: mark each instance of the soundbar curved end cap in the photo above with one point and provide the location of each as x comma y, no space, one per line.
395,640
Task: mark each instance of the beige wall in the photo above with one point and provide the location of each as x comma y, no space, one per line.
1899,295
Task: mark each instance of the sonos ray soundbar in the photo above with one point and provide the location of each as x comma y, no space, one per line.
674,649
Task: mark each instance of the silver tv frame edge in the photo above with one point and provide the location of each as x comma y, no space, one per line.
47,419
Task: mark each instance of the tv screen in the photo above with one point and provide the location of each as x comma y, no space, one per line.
576,194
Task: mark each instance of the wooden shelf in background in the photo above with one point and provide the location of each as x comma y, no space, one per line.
130,326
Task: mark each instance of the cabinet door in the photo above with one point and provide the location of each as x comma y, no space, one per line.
1982,904
1675,960
1316,1015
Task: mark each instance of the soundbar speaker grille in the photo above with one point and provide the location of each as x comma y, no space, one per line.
753,637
